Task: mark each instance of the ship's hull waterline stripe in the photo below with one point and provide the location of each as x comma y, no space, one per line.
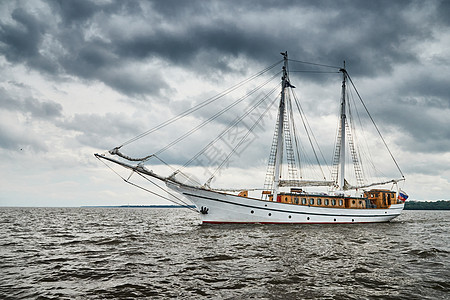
286,223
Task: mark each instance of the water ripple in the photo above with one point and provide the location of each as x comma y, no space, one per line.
100,253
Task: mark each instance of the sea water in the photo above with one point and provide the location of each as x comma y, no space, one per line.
130,253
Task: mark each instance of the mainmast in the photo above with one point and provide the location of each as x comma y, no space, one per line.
342,133
280,138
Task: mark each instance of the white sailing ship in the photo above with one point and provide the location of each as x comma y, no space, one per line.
281,200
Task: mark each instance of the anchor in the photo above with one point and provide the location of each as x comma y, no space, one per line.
204,210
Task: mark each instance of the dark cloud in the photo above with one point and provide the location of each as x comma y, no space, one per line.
373,37
75,12
29,105
22,39
395,52
434,89
89,59
443,10
91,41
369,35
424,130
21,42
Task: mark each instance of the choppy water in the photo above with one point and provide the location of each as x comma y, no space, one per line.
123,253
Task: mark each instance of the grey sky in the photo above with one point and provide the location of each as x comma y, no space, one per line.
79,77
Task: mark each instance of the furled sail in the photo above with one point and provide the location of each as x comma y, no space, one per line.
116,151
299,183
353,187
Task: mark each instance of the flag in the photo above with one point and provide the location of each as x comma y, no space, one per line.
402,195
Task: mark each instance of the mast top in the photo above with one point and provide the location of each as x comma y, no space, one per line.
343,70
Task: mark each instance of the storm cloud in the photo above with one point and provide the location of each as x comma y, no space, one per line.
96,41
82,74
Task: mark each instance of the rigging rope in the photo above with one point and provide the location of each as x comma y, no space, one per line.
314,64
243,138
208,101
364,152
229,127
294,129
186,205
185,135
304,116
171,194
316,72
200,105
289,130
297,143
374,124
175,172
309,133
355,149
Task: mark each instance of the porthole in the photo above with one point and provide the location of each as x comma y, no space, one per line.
307,218
270,214
335,220
353,202
353,220
252,212
290,217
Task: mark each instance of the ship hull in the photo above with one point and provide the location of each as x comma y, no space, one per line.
215,207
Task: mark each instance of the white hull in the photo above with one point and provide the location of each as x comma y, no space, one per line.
226,208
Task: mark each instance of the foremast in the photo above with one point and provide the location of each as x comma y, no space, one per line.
280,133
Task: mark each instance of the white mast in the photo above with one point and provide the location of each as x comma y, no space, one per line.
342,145
279,154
